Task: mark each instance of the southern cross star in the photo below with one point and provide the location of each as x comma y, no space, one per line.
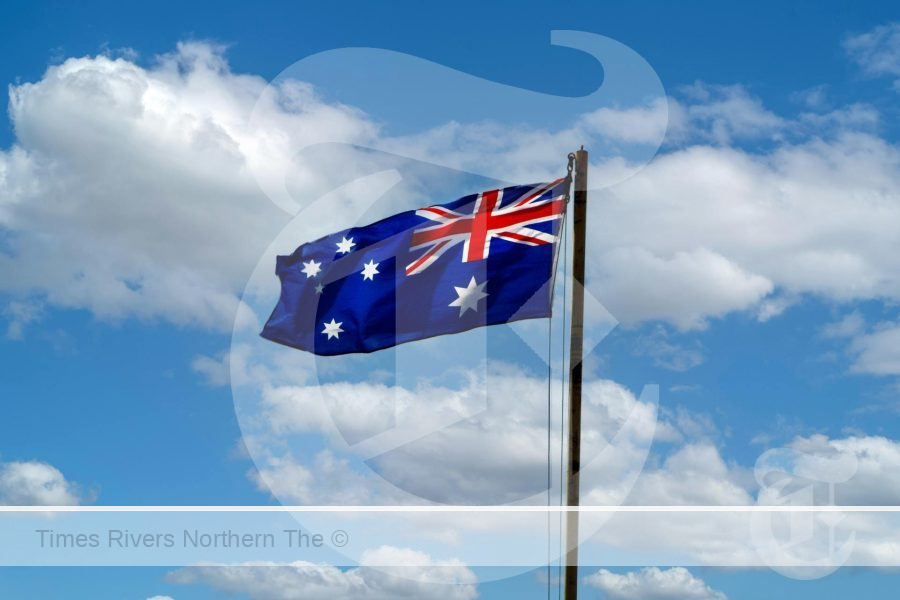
370,270
319,288
311,268
345,245
333,329
469,296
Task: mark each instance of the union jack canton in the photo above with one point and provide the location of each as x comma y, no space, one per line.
484,259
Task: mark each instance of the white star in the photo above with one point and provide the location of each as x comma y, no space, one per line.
311,268
469,296
319,288
370,270
345,245
333,329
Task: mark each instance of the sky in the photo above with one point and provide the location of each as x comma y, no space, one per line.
745,190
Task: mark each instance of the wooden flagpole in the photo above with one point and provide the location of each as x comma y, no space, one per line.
576,350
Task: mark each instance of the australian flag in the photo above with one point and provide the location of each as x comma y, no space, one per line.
484,259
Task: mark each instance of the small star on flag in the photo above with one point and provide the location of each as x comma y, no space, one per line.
345,245
370,270
311,268
333,329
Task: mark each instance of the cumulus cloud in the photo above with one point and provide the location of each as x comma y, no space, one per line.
726,538
704,231
878,459
476,453
34,483
847,326
484,442
686,287
484,454
325,479
695,474
876,51
641,124
214,370
145,179
873,349
141,179
722,114
385,573
878,351
652,583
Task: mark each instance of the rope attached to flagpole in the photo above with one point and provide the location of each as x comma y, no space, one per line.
562,241
549,437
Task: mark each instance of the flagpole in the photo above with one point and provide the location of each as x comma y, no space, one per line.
576,350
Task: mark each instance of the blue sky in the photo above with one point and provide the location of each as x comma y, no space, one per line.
789,343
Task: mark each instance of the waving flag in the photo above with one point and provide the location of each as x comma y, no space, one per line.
484,259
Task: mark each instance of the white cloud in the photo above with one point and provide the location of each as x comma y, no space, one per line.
34,483
667,354
214,370
849,325
773,306
385,573
20,315
724,538
464,448
876,51
878,351
815,97
652,583
328,479
875,482
872,349
642,124
720,538
494,456
857,116
695,474
685,288
703,232
143,178
161,598
722,114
